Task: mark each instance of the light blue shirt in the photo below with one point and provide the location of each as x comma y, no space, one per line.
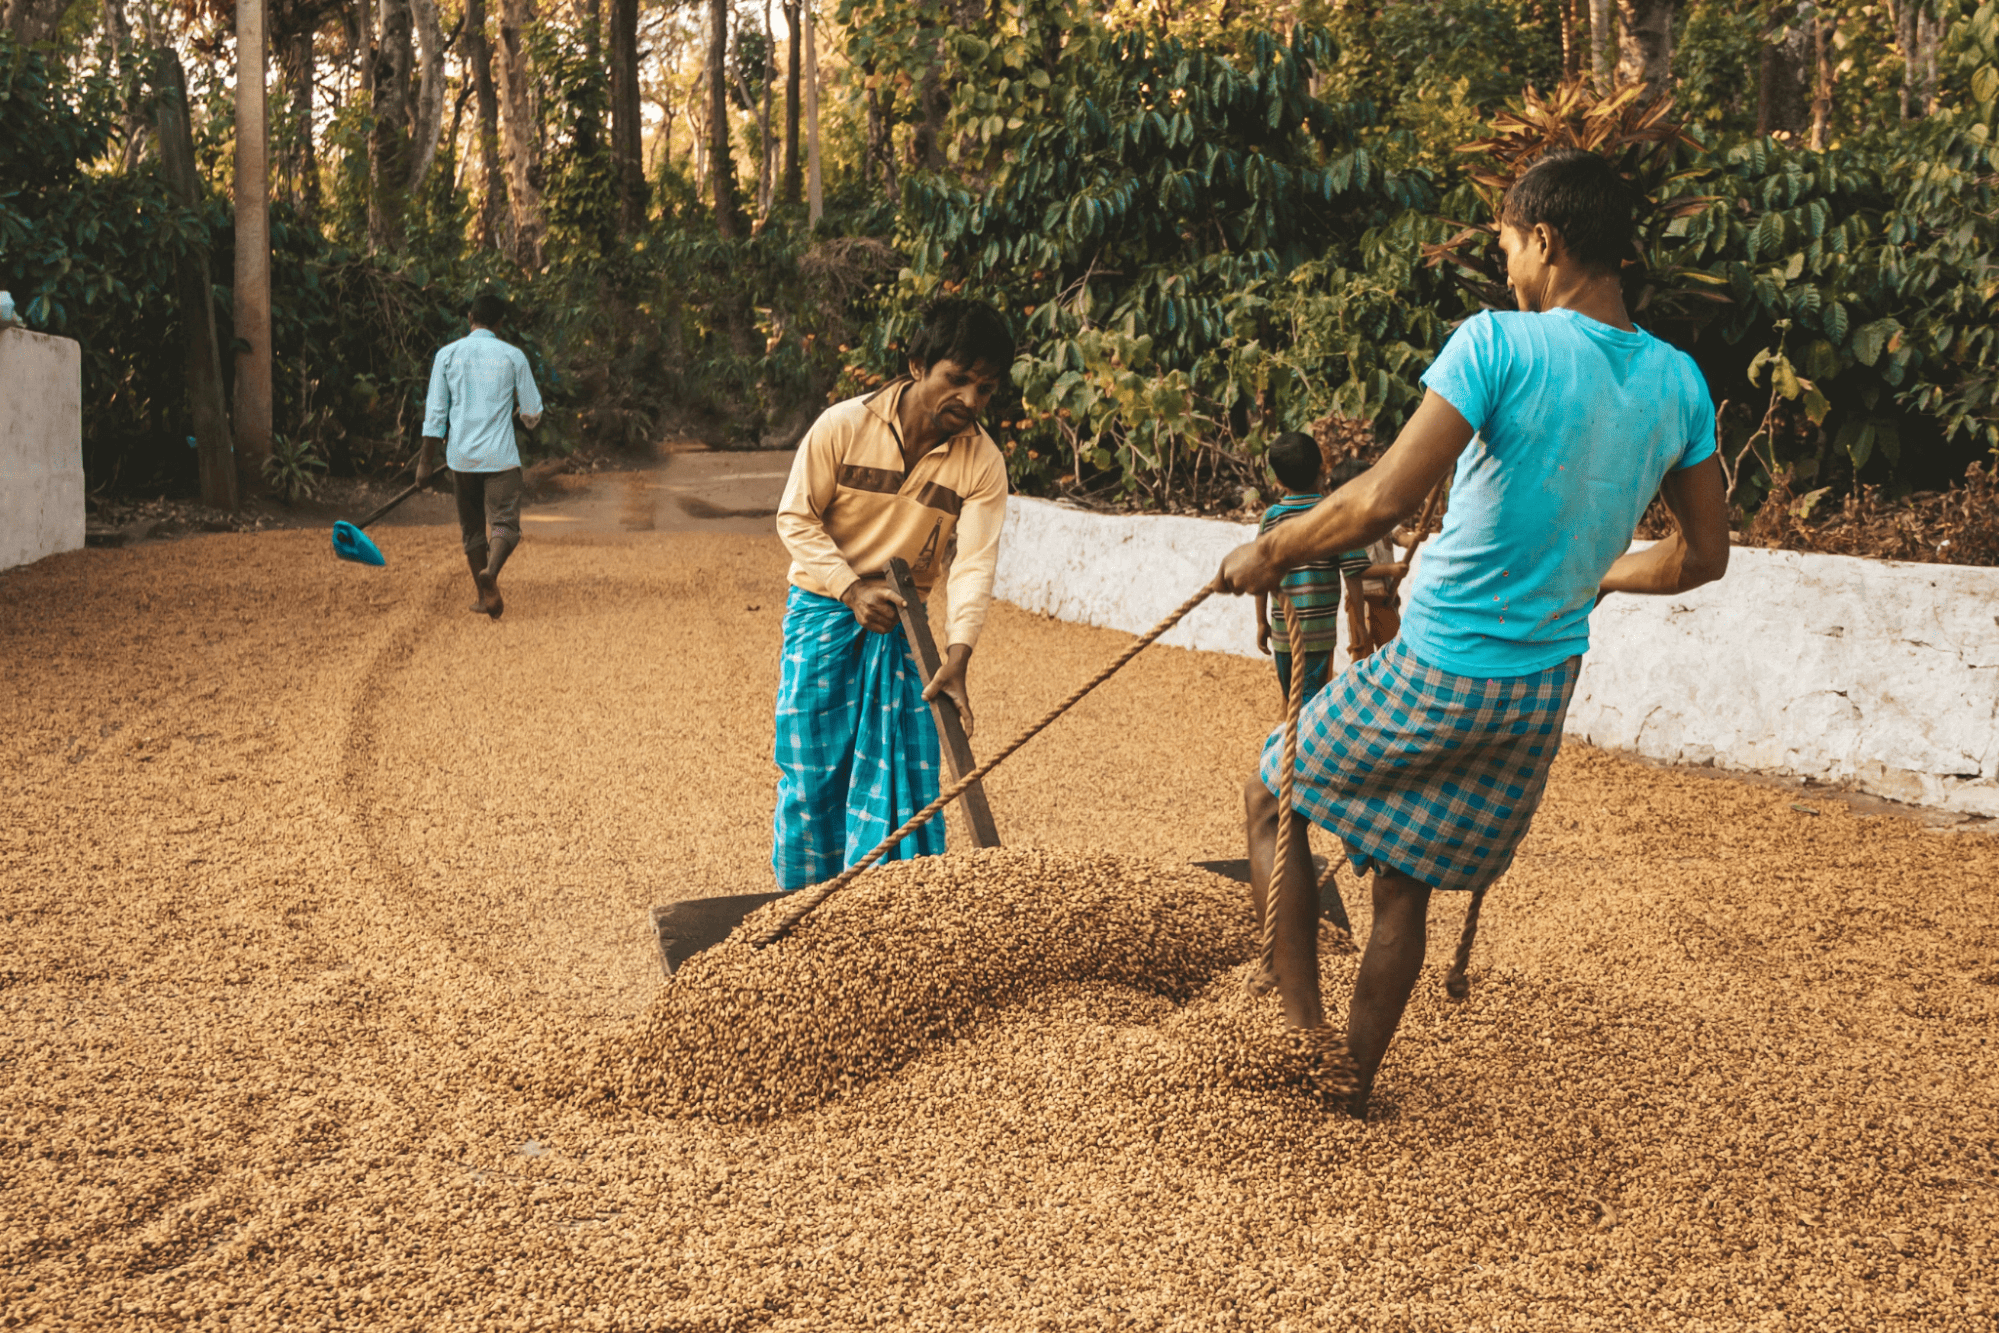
1577,424
477,384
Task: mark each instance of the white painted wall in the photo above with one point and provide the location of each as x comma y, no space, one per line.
1874,673
41,446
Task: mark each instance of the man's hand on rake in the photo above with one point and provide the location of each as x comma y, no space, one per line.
950,681
874,604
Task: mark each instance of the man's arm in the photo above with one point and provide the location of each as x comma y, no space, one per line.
436,421
814,480
1697,554
527,398
1361,511
969,590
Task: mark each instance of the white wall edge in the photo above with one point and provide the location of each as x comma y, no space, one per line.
41,446
1880,675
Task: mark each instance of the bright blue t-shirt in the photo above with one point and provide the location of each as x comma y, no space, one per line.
1577,424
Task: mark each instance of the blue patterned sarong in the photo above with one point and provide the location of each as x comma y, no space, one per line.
1423,771
856,746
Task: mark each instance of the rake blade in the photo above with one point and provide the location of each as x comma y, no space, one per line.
350,543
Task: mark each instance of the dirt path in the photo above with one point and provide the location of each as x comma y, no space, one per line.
302,865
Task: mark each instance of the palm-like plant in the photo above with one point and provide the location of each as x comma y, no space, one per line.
1649,149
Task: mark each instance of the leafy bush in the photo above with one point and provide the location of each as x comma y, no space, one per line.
1141,199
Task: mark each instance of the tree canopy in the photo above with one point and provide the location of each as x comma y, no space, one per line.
1209,221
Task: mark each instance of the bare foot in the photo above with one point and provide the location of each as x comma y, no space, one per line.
490,602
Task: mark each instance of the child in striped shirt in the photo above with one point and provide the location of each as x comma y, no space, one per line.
1314,589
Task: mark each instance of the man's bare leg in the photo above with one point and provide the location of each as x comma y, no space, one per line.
488,579
503,520
1298,922
1388,973
477,558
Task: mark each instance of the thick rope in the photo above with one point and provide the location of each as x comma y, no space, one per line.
805,900
1431,503
1455,983
1329,1065
1274,892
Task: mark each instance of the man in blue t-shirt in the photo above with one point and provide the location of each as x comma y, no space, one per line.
1557,424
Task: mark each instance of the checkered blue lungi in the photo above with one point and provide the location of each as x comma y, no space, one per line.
1425,772
856,747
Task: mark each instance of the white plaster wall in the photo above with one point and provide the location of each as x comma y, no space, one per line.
41,446
1874,673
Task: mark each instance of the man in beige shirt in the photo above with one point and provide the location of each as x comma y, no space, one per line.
906,471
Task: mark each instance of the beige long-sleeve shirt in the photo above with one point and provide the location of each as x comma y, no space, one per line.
849,508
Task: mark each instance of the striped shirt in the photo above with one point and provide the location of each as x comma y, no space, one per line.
1313,589
852,504
477,384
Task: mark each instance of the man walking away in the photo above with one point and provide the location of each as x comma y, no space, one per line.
1429,758
478,385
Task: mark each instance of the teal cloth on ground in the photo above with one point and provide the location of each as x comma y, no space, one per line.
477,384
1577,424
1313,589
856,746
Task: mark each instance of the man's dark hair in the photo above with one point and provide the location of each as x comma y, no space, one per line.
968,332
488,309
1294,457
1581,196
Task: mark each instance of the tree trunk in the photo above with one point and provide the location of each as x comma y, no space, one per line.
1929,37
1645,46
388,138
1905,43
1822,30
721,165
427,117
926,145
1783,93
697,133
1600,44
252,247
627,123
207,410
365,46
519,136
298,159
118,33
880,150
33,21
489,222
116,30
453,138
815,199
794,43
767,150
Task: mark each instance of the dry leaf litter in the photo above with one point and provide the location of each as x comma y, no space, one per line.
327,999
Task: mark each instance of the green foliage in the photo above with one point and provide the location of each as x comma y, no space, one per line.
1140,196
93,256
1204,233
1719,40
295,467
582,190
